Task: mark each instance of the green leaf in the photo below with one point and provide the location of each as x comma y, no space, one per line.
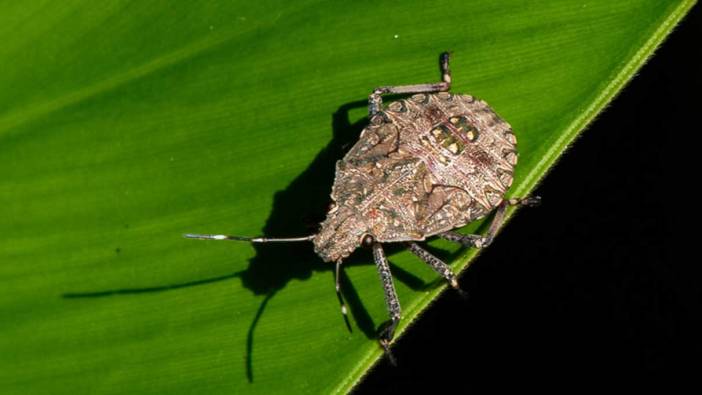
126,124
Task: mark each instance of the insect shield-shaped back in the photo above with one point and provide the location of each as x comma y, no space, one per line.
423,166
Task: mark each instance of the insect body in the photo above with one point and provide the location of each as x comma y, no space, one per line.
424,166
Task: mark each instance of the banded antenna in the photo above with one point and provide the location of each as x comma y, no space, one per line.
249,239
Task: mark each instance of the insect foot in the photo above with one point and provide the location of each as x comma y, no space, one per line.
531,201
386,334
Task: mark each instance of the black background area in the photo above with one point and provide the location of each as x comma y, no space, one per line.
584,289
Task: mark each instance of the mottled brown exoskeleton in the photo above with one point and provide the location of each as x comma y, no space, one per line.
425,165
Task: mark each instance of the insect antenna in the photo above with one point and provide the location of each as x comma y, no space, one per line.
249,239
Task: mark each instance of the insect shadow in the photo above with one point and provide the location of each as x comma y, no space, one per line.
297,210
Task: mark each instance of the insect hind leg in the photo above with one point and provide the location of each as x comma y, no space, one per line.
478,241
437,264
375,101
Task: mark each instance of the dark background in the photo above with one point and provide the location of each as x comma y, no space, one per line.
584,290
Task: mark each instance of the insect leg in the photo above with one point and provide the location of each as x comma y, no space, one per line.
469,240
479,241
437,264
391,300
344,310
249,239
375,101
531,201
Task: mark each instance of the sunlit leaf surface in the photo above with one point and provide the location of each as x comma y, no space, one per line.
125,124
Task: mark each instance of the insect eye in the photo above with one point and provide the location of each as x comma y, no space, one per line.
367,240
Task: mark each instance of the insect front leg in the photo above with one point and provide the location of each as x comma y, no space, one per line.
391,300
375,101
337,281
479,241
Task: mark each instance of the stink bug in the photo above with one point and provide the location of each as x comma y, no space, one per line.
424,166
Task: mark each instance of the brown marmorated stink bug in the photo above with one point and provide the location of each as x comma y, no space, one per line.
424,166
